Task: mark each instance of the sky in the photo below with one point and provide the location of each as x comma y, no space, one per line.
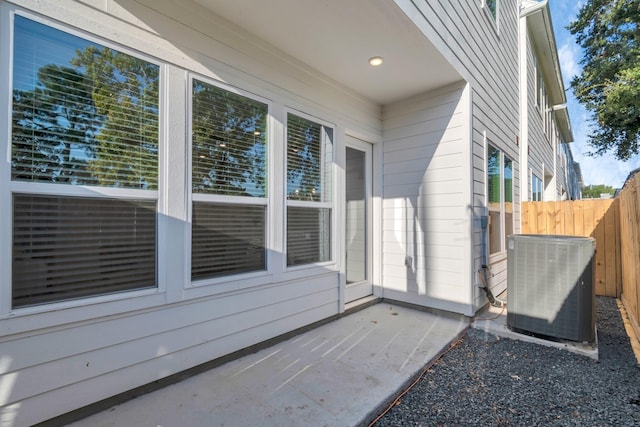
595,170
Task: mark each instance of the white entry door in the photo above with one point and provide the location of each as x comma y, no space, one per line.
358,220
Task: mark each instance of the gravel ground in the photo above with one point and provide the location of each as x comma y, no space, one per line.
491,381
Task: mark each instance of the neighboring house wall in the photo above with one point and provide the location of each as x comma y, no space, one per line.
545,125
540,150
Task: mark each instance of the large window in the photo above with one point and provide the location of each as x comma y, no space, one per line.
229,186
309,158
84,167
499,198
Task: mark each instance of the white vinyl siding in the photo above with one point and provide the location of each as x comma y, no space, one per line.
540,152
488,60
426,175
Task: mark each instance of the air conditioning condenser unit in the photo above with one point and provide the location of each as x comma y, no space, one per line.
551,286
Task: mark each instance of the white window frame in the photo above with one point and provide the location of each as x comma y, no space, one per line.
501,253
9,187
225,199
330,204
535,180
489,13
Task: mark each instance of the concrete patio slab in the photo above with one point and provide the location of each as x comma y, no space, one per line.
338,374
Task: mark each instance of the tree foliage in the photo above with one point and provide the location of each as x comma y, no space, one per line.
88,117
50,123
594,191
125,93
609,85
228,142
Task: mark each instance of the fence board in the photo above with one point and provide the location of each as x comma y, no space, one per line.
630,247
597,218
597,232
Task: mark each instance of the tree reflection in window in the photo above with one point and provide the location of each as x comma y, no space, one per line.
492,5
229,133
83,113
304,160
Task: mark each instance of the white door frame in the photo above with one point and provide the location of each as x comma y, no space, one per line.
355,291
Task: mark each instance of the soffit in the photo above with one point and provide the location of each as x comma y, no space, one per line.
336,38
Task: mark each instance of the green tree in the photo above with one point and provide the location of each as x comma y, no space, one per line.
594,191
229,142
94,123
125,93
609,85
304,157
51,126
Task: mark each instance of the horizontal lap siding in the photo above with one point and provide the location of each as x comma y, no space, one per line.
115,355
486,55
540,150
424,191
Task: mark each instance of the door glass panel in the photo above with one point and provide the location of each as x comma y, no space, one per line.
356,210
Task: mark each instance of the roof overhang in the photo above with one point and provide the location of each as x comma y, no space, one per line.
540,29
336,38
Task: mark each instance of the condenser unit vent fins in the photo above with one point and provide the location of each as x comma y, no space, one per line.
551,286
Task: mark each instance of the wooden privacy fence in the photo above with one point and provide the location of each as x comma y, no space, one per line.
597,218
630,248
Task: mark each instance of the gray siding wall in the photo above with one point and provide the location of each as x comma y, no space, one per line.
426,183
540,143
485,53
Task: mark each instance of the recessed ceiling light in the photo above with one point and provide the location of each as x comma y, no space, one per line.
375,61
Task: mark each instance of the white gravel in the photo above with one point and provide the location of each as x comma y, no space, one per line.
491,381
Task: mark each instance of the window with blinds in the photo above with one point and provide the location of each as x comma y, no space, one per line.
494,205
507,179
82,115
499,198
229,185
227,239
309,159
308,235
72,247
